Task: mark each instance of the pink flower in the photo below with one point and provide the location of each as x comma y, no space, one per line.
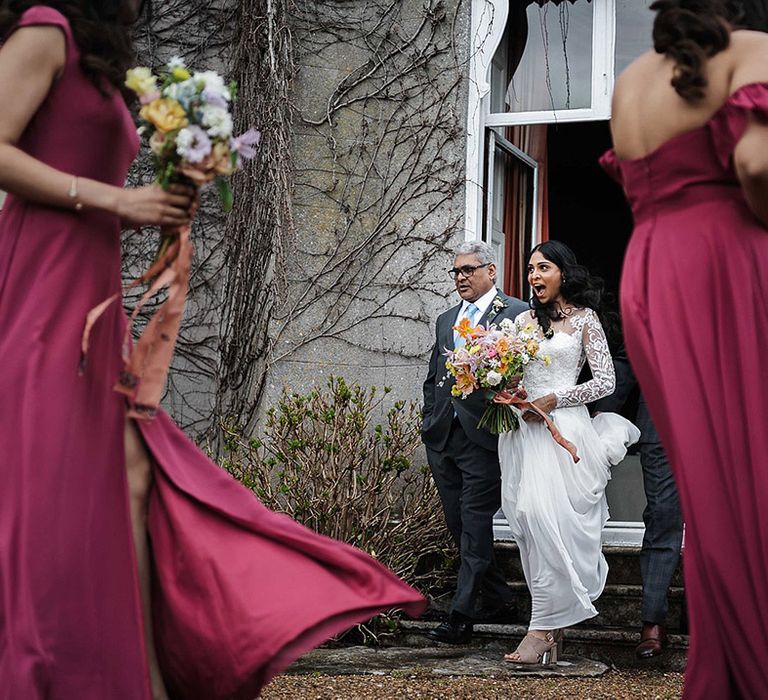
148,97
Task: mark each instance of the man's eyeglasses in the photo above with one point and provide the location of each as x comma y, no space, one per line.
466,270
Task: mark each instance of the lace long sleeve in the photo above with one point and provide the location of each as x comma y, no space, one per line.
603,380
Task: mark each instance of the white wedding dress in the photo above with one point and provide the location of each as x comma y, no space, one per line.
556,509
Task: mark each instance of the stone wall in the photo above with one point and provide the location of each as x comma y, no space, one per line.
355,267
378,200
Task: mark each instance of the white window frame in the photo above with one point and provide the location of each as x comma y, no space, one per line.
489,19
496,140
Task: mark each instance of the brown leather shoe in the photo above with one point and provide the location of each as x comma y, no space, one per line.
653,641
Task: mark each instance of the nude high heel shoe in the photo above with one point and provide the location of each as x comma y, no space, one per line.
559,636
533,650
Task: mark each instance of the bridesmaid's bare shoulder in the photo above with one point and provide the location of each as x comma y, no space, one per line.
749,57
642,67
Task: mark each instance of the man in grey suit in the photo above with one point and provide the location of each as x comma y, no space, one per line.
662,516
464,459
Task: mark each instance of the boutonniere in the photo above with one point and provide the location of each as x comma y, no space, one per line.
496,306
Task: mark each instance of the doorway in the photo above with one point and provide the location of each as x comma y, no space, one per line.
587,211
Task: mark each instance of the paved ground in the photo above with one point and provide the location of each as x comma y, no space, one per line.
362,673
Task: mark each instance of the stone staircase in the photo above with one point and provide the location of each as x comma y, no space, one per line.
610,637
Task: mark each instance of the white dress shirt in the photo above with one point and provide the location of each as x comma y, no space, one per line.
482,303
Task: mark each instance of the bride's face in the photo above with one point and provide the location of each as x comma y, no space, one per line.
544,277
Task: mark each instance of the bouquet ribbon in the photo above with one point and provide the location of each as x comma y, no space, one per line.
146,363
524,405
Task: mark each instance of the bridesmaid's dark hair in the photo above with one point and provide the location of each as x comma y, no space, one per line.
691,31
579,288
102,31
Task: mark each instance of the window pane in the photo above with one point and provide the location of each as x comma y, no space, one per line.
509,209
555,69
634,23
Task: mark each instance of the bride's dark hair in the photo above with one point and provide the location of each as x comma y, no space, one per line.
691,31
579,288
101,29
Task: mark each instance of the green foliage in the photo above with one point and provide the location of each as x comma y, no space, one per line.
324,461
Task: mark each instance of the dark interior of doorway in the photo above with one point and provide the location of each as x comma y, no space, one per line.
587,210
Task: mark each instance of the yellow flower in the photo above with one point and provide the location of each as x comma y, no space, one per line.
547,360
180,73
222,159
140,80
165,113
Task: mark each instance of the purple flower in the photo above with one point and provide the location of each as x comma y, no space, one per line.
244,144
193,144
214,98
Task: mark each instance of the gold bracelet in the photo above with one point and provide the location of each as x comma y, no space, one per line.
73,194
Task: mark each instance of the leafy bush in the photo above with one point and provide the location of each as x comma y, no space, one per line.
325,462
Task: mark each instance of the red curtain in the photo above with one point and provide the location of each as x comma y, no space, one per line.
532,140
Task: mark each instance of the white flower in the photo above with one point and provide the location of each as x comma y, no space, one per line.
193,144
525,358
211,81
507,325
218,121
176,62
493,378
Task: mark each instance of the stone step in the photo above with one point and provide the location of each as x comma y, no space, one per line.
613,646
619,606
623,564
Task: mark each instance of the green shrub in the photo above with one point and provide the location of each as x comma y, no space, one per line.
326,463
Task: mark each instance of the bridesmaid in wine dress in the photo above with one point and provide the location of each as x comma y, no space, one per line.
131,567
690,131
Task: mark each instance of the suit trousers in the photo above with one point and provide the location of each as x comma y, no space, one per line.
663,527
468,479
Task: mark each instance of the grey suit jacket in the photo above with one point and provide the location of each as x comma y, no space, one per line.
439,405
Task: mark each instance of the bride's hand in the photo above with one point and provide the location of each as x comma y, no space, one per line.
546,404
514,381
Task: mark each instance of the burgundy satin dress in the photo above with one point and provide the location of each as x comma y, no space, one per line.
694,296
239,591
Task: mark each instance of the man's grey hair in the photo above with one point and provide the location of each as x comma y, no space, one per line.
485,252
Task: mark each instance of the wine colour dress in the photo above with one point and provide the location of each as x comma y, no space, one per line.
694,299
239,591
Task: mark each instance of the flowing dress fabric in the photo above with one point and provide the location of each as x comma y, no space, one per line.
240,592
556,508
694,292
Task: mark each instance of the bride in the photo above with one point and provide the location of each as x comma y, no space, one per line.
556,508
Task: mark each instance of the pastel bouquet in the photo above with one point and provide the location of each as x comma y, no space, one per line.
492,360
187,121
